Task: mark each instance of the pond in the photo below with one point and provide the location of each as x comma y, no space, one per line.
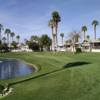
10,68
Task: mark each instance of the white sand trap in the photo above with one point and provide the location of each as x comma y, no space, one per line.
7,93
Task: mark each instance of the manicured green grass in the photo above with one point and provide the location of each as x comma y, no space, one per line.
54,81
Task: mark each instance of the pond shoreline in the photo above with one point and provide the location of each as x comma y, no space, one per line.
30,65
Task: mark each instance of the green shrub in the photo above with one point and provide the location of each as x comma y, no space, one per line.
78,50
1,88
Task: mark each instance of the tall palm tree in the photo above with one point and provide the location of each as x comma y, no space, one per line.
4,39
18,37
7,32
56,18
84,29
51,25
95,23
62,36
12,34
1,28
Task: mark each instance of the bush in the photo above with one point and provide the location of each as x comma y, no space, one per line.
4,48
34,46
1,88
14,44
78,50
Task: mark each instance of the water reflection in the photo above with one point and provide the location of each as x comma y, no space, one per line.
13,68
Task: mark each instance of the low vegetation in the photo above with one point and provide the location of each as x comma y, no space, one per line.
62,76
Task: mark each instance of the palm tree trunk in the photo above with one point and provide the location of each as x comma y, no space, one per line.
73,46
52,39
54,42
0,34
4,41
56,29
84,35
12,39
62,41
94,32
8,39
18,41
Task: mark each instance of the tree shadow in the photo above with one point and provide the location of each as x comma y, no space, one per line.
68,65
76,64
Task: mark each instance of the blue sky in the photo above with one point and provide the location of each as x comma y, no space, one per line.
30,17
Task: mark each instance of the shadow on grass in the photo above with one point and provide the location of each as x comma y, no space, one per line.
68,65
75,64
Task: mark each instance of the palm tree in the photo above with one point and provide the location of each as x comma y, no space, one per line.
84,29
18,37
12,34
95,23
56,18
7,32
4,39
62,36
51,25
1,28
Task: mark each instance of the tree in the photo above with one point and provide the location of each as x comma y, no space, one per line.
33,45
84,29
12,34
62,36
54,48
5,47
69,41
14,44
4,39
45,41
1,28
95,23
88,37
74,37
34,38
56,18
26,41
7,32
51,25
18,37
